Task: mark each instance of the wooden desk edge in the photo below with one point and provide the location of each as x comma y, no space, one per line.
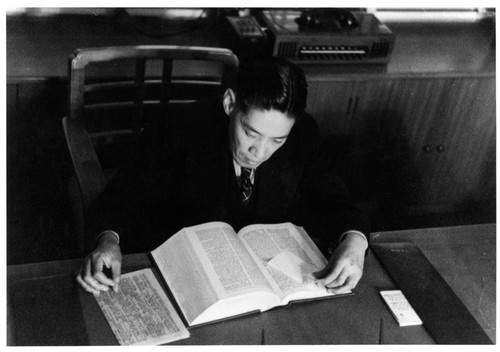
63,267
379,235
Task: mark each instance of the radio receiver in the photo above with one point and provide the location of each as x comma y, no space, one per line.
328,36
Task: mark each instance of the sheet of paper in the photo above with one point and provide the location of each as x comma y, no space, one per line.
140,313
293,266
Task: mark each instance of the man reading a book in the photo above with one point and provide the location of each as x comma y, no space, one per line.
254,157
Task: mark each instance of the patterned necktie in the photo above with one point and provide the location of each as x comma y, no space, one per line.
245,184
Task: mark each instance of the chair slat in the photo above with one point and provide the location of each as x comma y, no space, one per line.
166,79
140,73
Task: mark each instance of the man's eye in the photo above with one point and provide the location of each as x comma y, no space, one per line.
250,134
278,141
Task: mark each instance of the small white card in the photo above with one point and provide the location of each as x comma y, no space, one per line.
400,308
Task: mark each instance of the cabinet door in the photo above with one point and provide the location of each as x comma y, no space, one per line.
370,100
397,114
447,127
426,130
349,107
330,102
465,170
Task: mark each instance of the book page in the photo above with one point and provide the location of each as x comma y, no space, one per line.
211,273
227,260
288,256
184,274
140,313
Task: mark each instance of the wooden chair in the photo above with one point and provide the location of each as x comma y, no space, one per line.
115,92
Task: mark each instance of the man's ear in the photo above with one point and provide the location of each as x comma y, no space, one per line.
229,101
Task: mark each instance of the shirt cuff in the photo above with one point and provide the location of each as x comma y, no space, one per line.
353,232
332,246
110,232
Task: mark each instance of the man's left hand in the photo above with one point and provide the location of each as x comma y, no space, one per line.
345,267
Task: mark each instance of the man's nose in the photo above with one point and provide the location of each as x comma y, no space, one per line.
259,150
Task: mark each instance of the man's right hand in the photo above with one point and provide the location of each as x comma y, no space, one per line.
91,275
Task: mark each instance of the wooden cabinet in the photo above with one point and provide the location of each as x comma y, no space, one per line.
450,129
430,140
344,107
463,137
330,103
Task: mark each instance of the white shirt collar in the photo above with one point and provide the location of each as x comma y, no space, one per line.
237,171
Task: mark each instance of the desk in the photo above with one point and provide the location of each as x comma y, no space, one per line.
46,307
465,256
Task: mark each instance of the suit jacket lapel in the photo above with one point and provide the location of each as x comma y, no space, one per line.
277,183
210,181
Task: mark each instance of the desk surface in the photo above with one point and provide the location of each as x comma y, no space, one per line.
46,307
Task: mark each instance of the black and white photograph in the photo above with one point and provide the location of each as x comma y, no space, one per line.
304,175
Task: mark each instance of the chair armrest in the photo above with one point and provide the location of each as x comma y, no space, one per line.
89,172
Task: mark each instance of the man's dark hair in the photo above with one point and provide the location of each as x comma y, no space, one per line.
271,83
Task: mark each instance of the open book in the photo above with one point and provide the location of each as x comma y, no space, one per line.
214,273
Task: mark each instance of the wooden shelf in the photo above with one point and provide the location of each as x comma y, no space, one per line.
39,47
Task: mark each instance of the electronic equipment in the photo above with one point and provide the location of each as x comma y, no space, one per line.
245,36
328,36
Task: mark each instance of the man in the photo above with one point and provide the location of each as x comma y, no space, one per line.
255,158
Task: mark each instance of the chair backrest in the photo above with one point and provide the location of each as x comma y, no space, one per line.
114,92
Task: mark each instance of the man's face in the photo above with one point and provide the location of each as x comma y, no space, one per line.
255,136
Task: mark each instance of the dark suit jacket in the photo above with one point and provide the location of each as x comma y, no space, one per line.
183,175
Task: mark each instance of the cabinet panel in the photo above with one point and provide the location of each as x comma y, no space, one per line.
400,114
426,131
411,111
330,102
452,141
430,141
466,168
371,98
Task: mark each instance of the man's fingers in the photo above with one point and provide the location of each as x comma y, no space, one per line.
336,270
95,284
86,287
343,286
346,265
346,287
116,270
97,266
332,281
85,281
98,272
89,278
93,275
101,278
323,272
